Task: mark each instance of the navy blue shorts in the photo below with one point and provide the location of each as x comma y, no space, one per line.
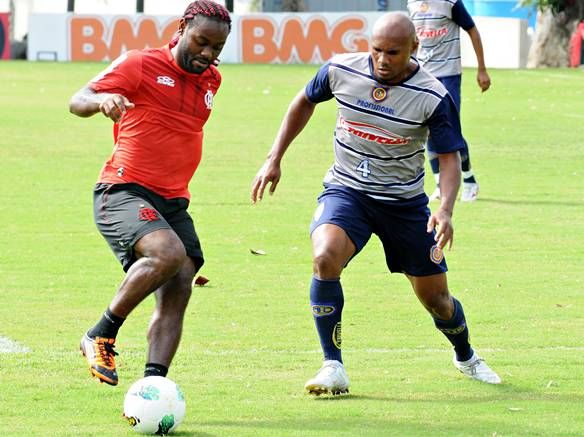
453,85
401,227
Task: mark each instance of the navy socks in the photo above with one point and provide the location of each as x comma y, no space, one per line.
464,165
456,332
326,301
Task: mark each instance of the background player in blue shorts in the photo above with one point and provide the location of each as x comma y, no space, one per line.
387,104
438,24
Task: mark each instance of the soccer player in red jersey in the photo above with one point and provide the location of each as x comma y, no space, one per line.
161,99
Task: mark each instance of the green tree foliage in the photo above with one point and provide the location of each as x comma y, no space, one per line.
573,8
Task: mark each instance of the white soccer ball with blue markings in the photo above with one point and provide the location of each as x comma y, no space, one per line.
154,405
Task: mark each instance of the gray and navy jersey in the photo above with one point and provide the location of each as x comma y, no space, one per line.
438,24
381,130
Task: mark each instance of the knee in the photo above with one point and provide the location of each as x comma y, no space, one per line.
440,304
325,265
169,257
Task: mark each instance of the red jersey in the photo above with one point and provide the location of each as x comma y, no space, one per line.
159,143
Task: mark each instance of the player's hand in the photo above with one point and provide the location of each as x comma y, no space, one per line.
483,80
114,106
441,221
270,173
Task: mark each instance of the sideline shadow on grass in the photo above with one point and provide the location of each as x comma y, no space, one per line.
488,393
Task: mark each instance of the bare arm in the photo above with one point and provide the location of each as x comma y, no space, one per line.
483,78
449,184
86,102
296,118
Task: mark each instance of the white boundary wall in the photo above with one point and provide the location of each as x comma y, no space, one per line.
255,38
506,43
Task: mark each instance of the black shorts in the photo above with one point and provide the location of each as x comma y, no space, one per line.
124,213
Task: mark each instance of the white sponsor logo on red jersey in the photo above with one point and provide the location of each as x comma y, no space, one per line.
165,80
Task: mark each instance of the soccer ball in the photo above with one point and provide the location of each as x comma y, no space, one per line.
154,405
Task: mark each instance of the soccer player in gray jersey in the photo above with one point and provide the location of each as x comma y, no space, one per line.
387,104
438,24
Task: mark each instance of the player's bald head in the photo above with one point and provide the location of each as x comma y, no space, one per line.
394,25
393,42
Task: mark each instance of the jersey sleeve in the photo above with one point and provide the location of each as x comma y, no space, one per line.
122,76
444,127
319,88
461,16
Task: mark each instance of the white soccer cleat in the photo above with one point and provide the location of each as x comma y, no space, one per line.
435,195
476,368
470,191
330,379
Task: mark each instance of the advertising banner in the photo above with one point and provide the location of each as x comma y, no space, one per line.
255,38
271,38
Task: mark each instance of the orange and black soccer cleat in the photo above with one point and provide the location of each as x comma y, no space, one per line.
100,354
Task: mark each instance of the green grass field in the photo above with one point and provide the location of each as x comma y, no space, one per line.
249,342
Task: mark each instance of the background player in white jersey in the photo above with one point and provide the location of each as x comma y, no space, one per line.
438,24
386,105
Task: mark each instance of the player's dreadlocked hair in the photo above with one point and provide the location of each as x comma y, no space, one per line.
207,8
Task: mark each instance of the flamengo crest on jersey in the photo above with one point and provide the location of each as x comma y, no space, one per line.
381,130
209,99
